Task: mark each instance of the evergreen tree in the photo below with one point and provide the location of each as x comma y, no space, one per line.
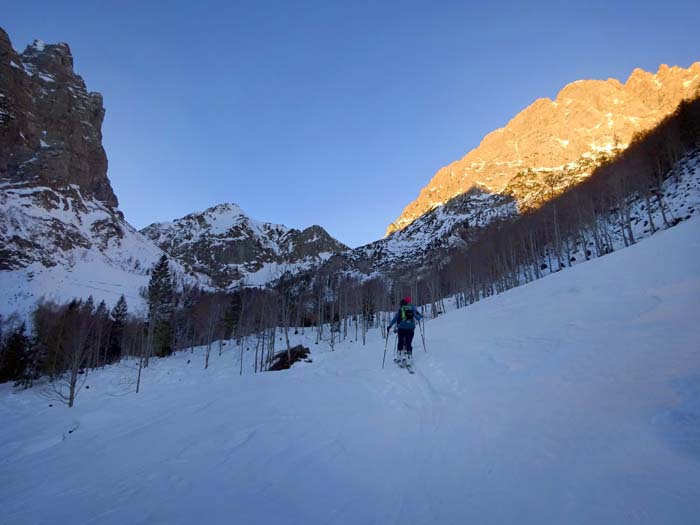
88,312
102,329
2,347
101,312
232,316
14,356
184,325
161,308
119,316
89,305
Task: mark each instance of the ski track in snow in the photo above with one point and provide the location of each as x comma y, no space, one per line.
573,399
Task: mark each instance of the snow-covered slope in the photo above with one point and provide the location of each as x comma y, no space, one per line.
573,399
232,248
428,240
66,245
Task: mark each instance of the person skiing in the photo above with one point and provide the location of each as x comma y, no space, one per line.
405,320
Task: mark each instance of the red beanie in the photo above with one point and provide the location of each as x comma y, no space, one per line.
407,299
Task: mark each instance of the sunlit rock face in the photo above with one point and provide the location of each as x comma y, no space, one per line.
567,137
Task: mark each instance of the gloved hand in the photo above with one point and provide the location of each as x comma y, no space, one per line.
396,329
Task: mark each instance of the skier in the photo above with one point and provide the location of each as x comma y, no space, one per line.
405,320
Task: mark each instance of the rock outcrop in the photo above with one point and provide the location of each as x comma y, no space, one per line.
61,232
589,120
50,124
56,196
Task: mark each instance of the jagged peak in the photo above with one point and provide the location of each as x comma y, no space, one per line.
227,208
56,109
38,45
217,219
638,73
319,233
549,135
49,56
314,228
5,42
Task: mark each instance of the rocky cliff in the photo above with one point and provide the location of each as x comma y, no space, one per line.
566,137
50,124
61,232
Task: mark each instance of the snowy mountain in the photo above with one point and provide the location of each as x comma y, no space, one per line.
561,140
428,240
590,417
63,235
646,176
61,232
432,240
539,395
227,245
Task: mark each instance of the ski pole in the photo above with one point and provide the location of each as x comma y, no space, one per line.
422,335
386,343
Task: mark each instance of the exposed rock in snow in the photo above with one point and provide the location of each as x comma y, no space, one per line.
232,248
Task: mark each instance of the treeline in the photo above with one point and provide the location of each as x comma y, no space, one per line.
621,199
66,341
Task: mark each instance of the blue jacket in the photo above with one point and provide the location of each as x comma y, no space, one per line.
408,324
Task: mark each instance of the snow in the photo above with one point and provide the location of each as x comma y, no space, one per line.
478,207
106,268
89,276
225,223
573,399
271,271
218,221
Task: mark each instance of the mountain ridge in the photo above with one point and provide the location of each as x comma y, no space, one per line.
232,247
550,134
60,211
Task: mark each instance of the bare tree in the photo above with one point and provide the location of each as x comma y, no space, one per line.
73,354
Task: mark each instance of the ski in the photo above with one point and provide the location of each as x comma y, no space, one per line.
405,362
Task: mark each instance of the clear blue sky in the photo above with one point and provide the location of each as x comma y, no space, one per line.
330,112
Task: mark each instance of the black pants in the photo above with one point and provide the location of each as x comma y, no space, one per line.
405,338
